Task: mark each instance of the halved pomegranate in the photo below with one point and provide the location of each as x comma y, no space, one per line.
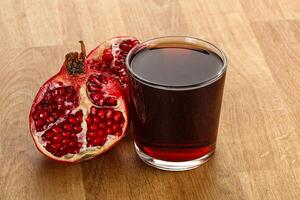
110,57
82,111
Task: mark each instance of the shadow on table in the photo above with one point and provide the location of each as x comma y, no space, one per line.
118,171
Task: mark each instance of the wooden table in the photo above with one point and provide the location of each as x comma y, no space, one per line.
258,150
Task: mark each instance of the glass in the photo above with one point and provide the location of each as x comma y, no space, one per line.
175,124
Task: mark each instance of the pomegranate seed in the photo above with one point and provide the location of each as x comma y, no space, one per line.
101,114
59,99
72,144
115,127
49,109
93,127
109,122
102,141
95,96
38,107
79,144
96,119
56,129
47,96
79,115
125,47
94,79
109,131
72,119
60,107
118,115
89,119
109,114
111,101
107,57
91,134
35,115
101,133
115,69
93,110
102,125
107,50
65,134
118,133
94,88
118,62
102,79
68,127
96,141
57,138
48,135
65,141
100,102
78,129
55,146
39,123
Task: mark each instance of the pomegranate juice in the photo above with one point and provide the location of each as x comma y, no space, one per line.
175,120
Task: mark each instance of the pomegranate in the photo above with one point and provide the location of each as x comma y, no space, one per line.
82,111
110,57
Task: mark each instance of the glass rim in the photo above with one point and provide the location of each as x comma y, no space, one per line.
143,45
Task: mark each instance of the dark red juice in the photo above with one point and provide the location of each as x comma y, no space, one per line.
173,122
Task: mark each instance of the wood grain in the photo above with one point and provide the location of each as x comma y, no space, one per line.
258,150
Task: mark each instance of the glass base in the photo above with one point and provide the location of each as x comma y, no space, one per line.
172,166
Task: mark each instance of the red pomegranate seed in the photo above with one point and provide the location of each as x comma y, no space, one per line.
57,138
65,134
107,57
101,114
39,123
96,141
109,131
101,133
115,127
100,102
102,125
56,129
109,114
91,134
79,115
72,119
111,101
89,119
94,88
78,129
95,96
65,141
118,133
96,119
118,116
68,127
93,127
109,122
95,79
72,144
93,110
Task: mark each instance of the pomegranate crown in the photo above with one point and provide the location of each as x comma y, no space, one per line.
74,61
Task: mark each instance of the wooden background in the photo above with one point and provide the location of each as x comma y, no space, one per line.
258,151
